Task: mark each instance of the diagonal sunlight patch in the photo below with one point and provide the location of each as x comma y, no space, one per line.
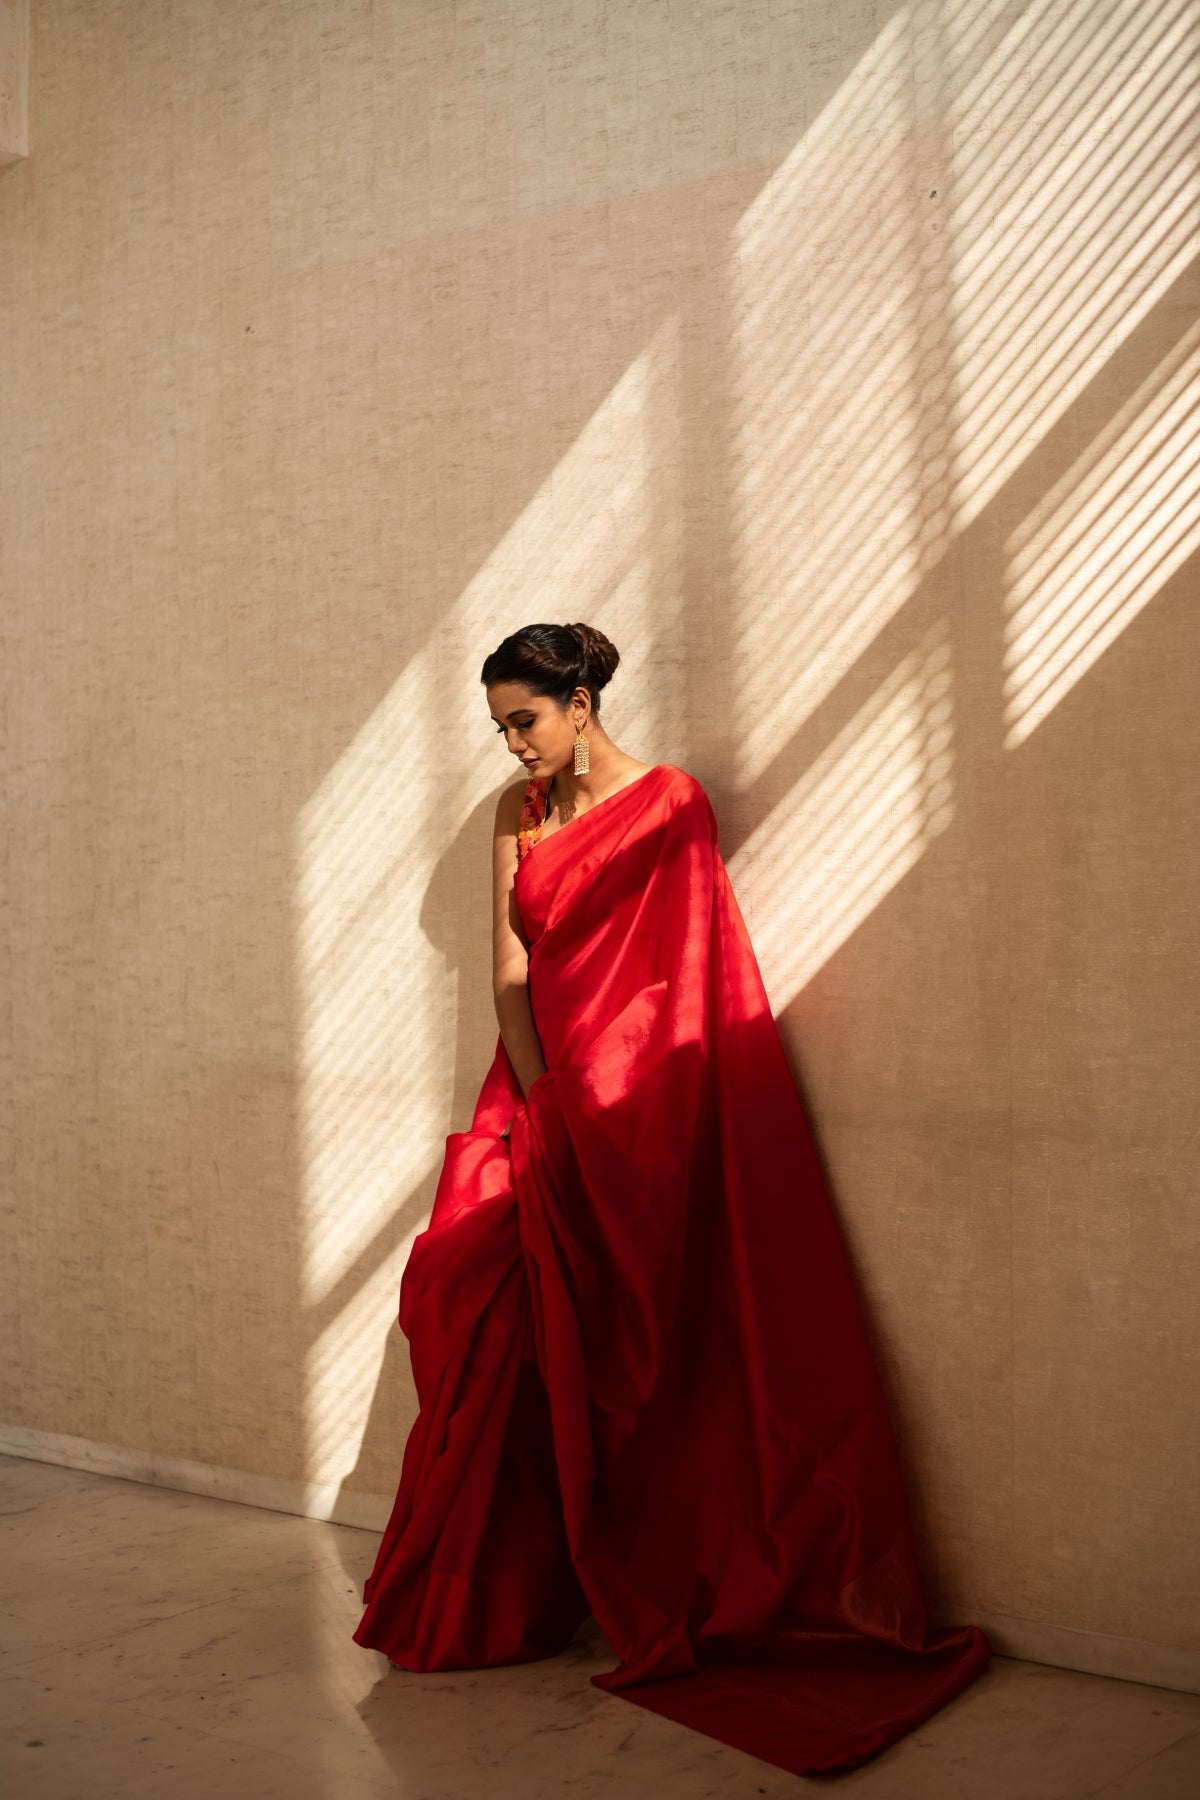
1103,542
827,499
373,1050
862,814
1052,275
376,957
944,261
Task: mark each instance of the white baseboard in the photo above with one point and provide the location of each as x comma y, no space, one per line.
1030,1640
311,1500
1127,1659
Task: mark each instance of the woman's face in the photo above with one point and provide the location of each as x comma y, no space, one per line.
537,730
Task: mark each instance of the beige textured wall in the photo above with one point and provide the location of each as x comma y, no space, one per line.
839,360
14,80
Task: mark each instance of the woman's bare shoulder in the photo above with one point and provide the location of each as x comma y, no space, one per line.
508,807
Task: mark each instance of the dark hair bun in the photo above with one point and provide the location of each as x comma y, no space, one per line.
554,660
600,655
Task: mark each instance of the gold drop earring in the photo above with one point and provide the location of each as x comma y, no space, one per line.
582,753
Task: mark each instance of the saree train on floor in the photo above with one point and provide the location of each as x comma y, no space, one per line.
646,1388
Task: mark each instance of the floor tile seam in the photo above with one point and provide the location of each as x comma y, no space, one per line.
89,1531
90,1479
136,1710
1104,1697
301,1760
169,1498
308,1568
220,1734
1192,1731
331,1557
8,1667
112,1636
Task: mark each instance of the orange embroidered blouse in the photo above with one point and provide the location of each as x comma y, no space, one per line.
533,814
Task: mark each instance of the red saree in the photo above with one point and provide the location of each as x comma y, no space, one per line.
646,1388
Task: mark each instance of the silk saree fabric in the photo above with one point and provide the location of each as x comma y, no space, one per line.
646,1387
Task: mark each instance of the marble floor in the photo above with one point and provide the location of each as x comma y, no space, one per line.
161,1646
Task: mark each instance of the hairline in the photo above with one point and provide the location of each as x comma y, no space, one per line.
562,705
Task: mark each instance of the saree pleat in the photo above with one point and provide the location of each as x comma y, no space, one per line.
646,1386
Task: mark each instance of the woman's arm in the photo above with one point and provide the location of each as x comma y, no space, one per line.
510,954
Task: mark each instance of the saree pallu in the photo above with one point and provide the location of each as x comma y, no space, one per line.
645,1383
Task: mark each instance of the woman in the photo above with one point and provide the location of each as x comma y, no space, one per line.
646,1389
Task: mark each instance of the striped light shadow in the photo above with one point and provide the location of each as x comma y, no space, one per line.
882,392
1093,554
1040,303
827,510
859,818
